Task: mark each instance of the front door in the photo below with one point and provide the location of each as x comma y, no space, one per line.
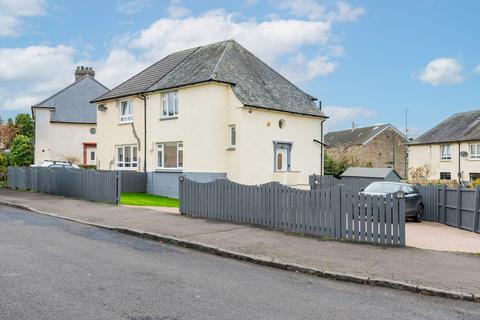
91,156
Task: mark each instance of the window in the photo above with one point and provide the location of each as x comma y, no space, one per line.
92,155
281,123
170,104
233,136
474,176
446,152
127,157
282,152
170,155
126,112
445,176
475,151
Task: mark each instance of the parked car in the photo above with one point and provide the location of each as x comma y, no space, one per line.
55,164
413,199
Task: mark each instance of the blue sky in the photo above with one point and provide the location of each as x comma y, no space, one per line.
366,60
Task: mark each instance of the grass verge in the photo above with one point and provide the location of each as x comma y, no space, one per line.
143,199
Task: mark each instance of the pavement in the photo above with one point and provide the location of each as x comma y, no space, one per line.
425,271
58,269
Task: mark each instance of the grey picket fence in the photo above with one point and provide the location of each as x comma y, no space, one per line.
133,181
326,181
75,183
338,212
457,207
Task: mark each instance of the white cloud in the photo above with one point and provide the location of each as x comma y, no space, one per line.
304,8
299,69
442,71
346,13
117,67
28,75
130,7
342,117
175,9
13,12
477,69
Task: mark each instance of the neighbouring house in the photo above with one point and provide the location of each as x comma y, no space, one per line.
371,174
210,112
379,146
451,150
65,123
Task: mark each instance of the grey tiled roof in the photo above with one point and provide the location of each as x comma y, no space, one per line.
358,136
464,126
362,172
254,83
72,104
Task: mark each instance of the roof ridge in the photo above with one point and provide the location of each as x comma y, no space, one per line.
195,49
66,88
215,68
372,126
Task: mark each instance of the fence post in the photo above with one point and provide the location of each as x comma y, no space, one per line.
181,193
341,220
459,205
444,203
401,220
475,209
118,189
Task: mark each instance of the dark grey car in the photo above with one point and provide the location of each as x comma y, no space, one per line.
413,199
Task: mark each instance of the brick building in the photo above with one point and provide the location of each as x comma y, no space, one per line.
381,146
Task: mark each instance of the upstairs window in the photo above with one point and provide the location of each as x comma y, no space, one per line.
232,136
282,154
475,151
170,155
445,152
170,104
126,112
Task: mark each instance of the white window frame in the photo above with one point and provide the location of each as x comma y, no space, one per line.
232,136
474,155
445,155
128,116
123,165
167,107
160,164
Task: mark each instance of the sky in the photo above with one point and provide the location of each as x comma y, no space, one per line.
367,61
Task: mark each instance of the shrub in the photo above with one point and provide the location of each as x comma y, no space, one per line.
21,153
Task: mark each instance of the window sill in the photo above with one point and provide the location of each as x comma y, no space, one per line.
446,160
474,159
231,148
125,122
168,118
173,170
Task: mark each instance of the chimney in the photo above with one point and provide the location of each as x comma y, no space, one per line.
353,126
82,71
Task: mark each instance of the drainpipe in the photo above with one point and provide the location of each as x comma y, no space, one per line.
144,98
459,165
321,149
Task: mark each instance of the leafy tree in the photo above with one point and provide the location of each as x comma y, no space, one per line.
3,168
336,167
7,133
21,152
24,125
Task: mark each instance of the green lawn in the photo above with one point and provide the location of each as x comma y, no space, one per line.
143,199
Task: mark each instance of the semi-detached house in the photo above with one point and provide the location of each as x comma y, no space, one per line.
210,112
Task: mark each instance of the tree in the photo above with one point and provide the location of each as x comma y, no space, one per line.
24,125
7,133
337,167
21,152
3,166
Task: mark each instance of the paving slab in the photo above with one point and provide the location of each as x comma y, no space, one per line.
449,271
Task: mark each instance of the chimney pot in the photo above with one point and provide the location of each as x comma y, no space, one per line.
82,71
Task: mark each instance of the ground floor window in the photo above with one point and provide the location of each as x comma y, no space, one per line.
474,176
127,157
445,176
170,155
282,156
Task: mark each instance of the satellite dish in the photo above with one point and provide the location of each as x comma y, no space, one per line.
464,154
101,107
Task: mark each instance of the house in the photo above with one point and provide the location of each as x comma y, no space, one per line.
373,174
451,150
65,123
210,112
379,146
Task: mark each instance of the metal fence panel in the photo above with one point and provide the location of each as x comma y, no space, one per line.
337,212
133,181
76,183
326,182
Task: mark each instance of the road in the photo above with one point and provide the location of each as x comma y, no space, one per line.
56,269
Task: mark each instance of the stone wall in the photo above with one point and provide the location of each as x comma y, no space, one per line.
379,152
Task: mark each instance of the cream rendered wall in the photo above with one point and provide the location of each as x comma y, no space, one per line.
205,112
112,133
60,141
420,155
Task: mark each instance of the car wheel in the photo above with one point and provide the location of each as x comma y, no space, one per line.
419,214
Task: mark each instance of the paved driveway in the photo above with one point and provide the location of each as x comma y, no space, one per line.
437,236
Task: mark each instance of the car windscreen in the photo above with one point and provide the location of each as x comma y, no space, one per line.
382,188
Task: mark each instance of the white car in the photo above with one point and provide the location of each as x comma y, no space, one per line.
55,164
